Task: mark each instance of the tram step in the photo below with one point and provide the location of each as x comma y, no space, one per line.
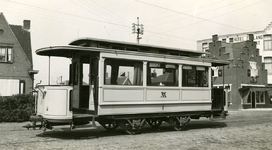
85,127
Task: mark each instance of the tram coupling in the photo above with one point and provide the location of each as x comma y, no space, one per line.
34,119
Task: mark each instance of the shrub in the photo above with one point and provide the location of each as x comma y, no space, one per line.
16,108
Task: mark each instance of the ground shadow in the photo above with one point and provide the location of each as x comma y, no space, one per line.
101,132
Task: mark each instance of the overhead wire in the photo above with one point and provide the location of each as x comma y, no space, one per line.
108,12
94,10
200,13
215,17
84,17
65,13
71,20
162,33
107,22
185,11
208,20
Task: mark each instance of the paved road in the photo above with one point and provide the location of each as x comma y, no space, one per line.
251,129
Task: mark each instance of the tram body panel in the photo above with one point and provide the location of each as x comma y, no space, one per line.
53,102
123,95
144,99
203,95
162,95
152,108
153,101
40,103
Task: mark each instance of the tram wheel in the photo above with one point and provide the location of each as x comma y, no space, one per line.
154,123
109,125
132,126
34,125
179,123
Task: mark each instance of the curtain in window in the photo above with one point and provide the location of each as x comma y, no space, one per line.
177,77
138,73
114,72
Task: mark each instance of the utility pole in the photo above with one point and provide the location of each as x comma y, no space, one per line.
138,29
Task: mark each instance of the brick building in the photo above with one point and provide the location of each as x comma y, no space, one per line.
16,66
263,39
245,78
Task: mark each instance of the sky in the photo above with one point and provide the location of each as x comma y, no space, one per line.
170,23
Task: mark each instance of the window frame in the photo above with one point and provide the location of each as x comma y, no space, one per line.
197,79
163,66
269,40
138,63
8,54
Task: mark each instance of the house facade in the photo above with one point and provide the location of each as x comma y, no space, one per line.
263,39
16,64
245,78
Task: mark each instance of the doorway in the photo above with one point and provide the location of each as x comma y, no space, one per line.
253,98
84,94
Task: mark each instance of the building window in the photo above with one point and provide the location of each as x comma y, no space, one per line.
224,40
267,42
22,87
1,32
260,97
194,76
268,65
249,97
230,40
9,87
253,69
5,54
162,74
123,72
205,46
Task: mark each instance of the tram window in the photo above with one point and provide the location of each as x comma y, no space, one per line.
162,74
123,72
85,71
194,76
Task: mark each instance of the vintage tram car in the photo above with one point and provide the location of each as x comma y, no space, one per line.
127,85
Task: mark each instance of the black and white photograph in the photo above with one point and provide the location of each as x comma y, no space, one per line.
136,74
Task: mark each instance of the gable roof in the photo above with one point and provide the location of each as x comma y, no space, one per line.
121,80
24,39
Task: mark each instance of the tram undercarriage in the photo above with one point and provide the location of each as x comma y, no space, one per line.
131,124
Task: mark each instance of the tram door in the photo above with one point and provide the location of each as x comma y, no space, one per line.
84,83
218,97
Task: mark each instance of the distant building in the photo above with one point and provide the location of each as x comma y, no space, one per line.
245,78
16,64
263,41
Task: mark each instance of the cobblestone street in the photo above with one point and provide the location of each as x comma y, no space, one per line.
250,129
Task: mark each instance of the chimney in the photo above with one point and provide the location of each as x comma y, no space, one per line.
215,38
250,37
26,25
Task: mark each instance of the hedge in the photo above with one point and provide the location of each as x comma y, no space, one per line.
16,108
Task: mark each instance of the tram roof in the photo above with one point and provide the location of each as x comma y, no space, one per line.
111,44
100,45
